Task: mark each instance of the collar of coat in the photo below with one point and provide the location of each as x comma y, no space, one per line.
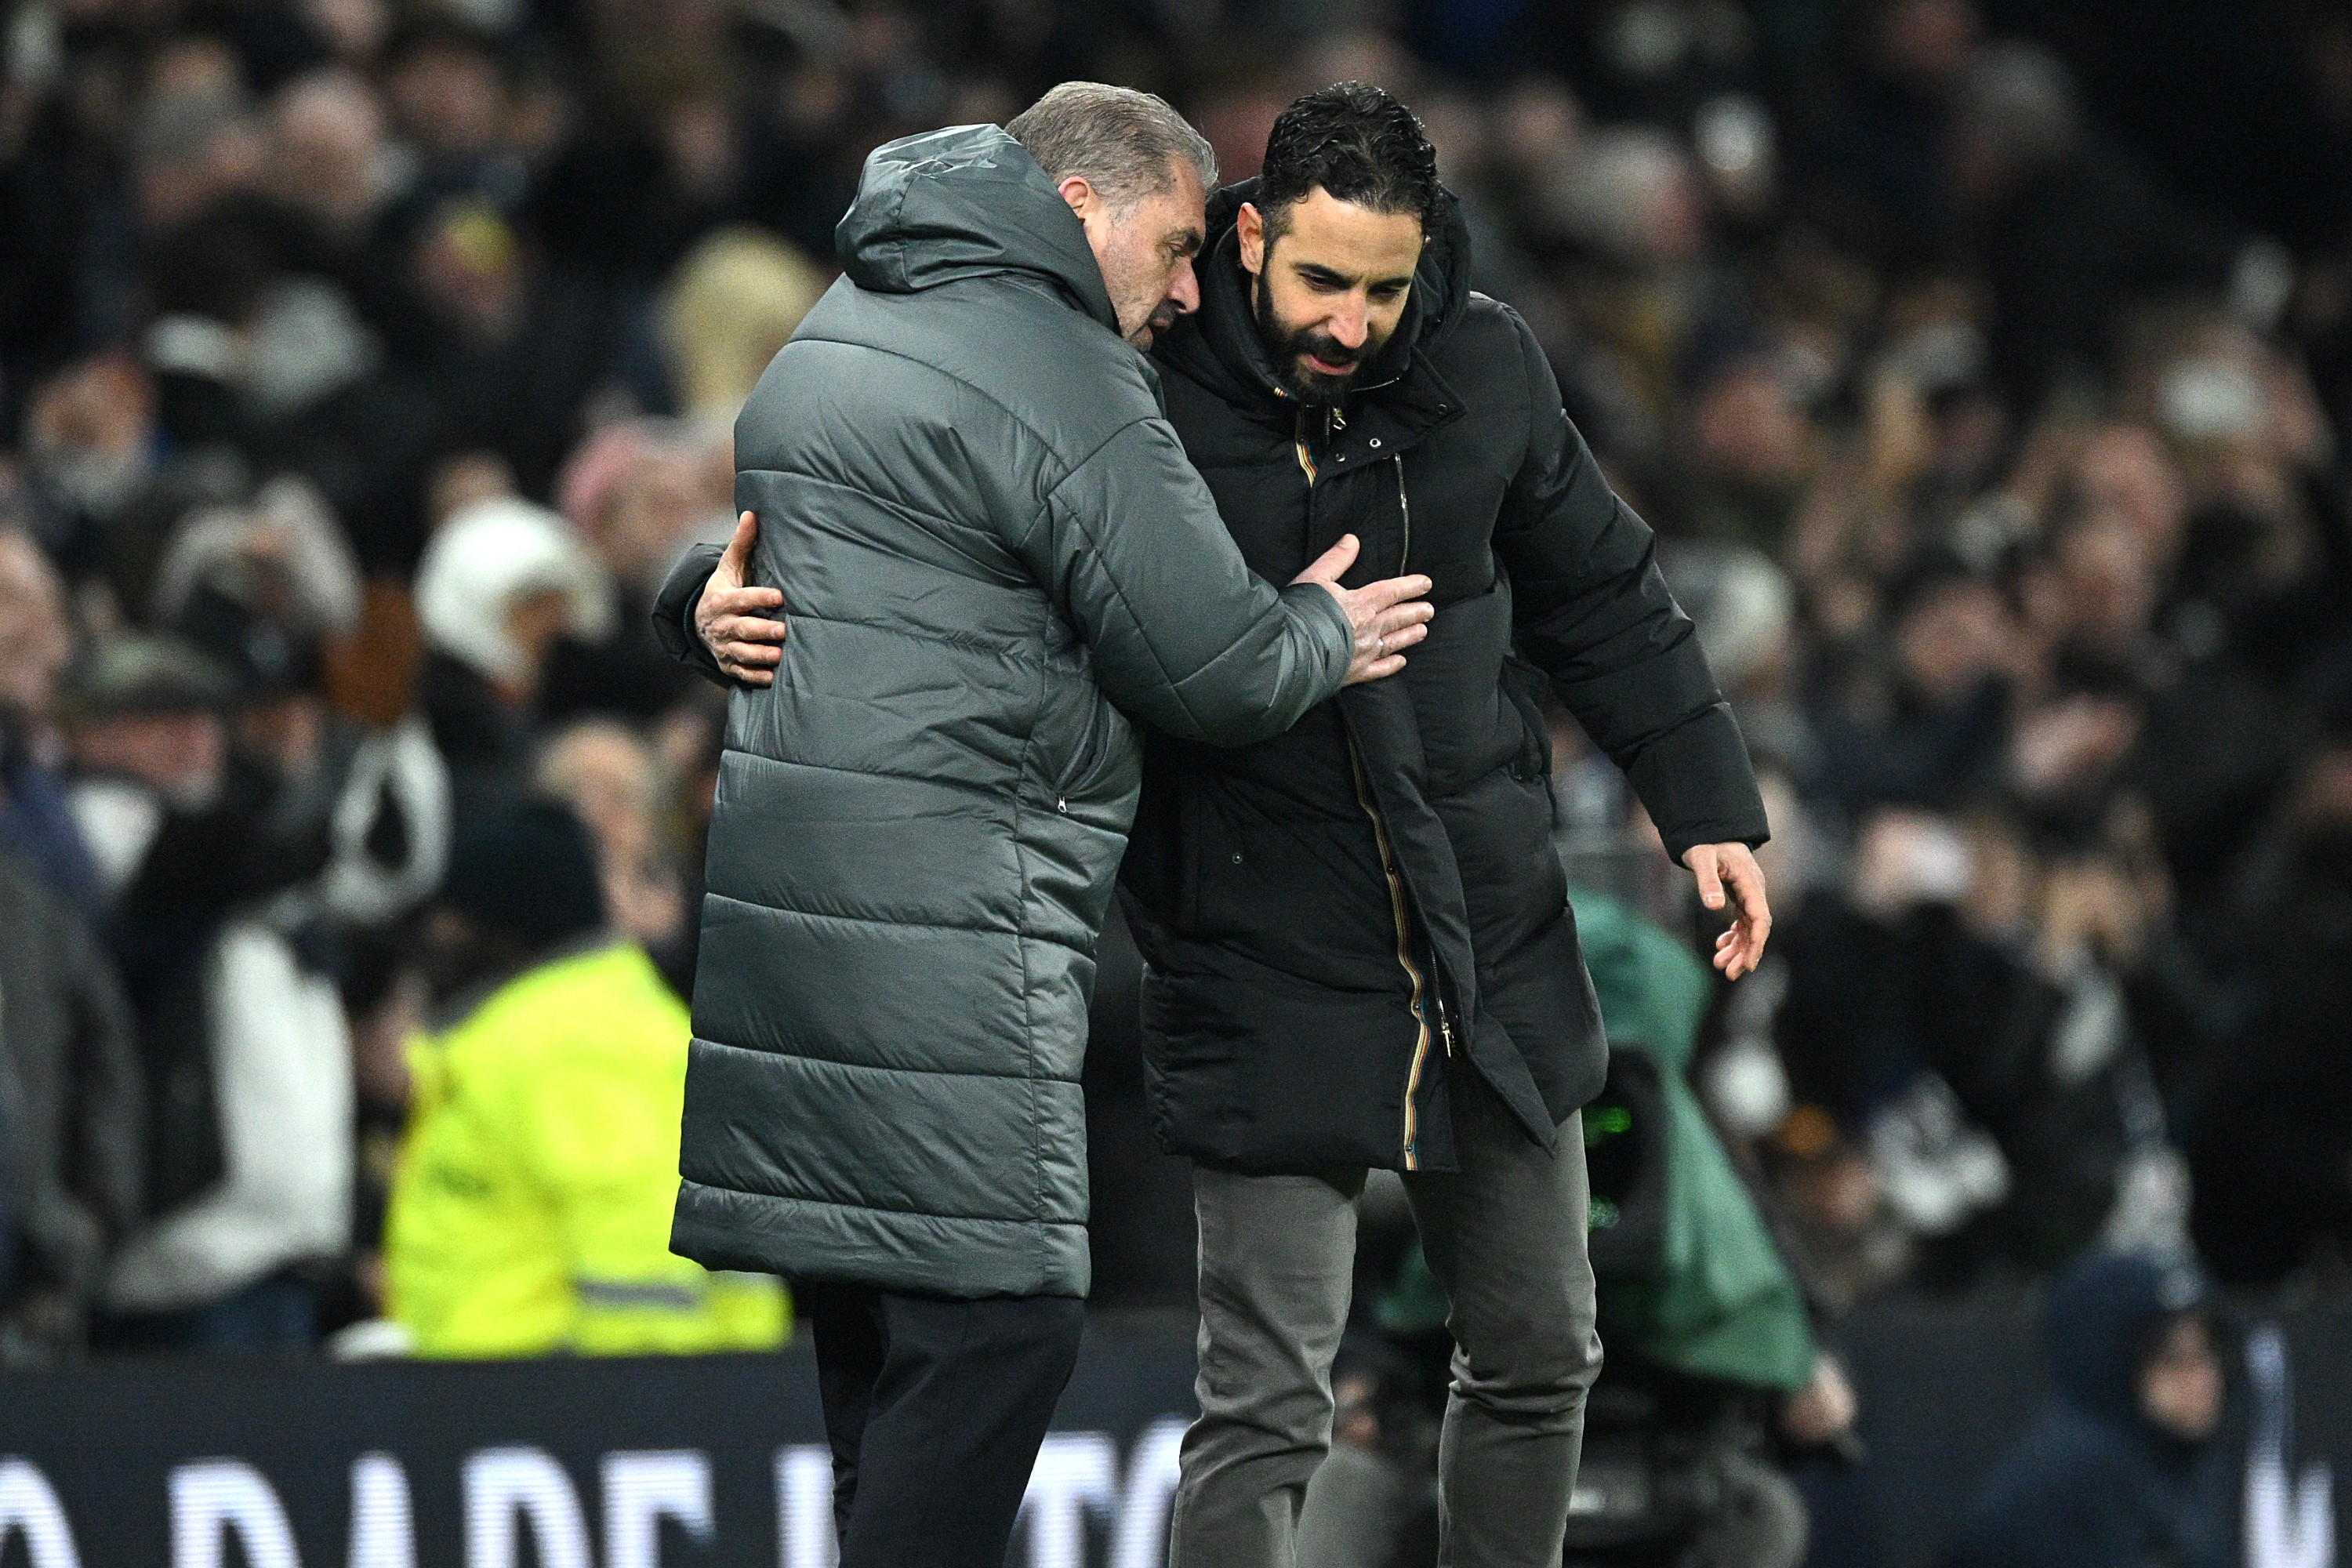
1398,388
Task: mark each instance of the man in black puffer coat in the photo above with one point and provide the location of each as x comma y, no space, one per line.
1358,947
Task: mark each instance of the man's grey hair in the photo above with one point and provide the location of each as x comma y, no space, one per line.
1119,141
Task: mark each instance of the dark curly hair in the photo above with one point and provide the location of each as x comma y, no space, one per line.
1357,142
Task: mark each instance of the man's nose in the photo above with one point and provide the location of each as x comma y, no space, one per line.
1185,289
1349,325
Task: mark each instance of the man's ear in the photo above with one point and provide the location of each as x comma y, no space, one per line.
1249,227
1079,194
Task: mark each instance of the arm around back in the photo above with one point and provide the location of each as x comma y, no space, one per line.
1185,637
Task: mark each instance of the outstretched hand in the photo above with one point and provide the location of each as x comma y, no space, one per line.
1387,617
1729,877
730,616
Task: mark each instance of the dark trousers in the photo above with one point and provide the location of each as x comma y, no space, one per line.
935,1409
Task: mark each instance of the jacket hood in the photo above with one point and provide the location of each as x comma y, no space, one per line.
2104,1316
966,202
1221,345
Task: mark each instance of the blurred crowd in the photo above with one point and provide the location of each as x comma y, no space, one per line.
1982,364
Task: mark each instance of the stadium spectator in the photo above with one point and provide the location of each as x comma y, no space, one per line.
609,778
36,823
503,581
637,492
241,1033
72,1156
530,1210
2122,1468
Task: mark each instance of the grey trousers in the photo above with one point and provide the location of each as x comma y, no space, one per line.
1505,1235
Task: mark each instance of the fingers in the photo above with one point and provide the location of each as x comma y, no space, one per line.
749,675
1393,590
1367,669
1397,618
718,604
753,663
1755,920
734,563
1748,883
1704,862
755,644
1399,628
1327,567
1741,947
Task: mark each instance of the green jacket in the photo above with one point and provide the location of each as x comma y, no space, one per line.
997,556
530,1204
1722,1303
1718,1302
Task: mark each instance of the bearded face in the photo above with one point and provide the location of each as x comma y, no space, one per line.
1329,289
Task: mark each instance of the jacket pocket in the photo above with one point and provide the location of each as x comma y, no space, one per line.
1523,686
1092,756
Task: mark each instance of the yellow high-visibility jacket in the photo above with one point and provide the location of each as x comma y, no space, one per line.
531,1208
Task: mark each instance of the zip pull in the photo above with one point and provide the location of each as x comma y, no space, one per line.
1339,417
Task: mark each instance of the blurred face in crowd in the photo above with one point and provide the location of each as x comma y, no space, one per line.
2320,813
353,29
448,98
605,773
33,641
653,507
2110,583
2181,1384
1951,640
2124,472
470,266
1749,429
90,431
535,619
180,756
1145,245
288,732
326,138
1926,42
2070,748
1329,289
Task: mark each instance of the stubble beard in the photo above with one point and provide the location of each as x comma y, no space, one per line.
1287,349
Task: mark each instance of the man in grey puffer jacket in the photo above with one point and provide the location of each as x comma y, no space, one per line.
999,554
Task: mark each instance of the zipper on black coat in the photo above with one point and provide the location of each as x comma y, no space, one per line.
1404,564
1404,511
1421,993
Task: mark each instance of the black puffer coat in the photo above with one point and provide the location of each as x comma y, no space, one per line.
1338,918
993,551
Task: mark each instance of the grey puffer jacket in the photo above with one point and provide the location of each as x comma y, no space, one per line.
996,554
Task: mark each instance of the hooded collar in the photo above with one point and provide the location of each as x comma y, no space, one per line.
966,202
1220,346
